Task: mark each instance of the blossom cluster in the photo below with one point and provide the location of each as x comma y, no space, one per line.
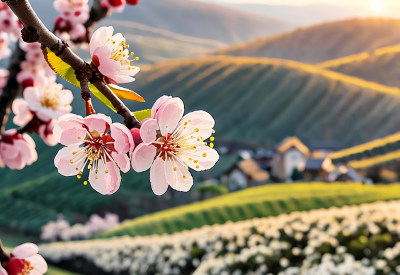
362,239
167,143
62,230
34,66
117,5
70,23
24,259
43,104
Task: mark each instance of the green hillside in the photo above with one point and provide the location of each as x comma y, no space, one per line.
262,101
263,201
323,42
381,65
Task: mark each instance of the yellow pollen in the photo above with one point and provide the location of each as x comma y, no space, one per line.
196,130
186,123
106,172
190,159
85,182
89,166
212,138
136,58
198,139
78,176
132,53
96,177
74,153
175,168
77,169
212,145
80,173
195,147
184,177
204,155
197,167
196,161
71,161
79,138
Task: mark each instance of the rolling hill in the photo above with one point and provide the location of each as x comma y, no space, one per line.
323,42
203,20
380,65
264,100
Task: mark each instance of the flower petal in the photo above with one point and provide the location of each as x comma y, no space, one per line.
22,113
158,181
122,161
197,124
143,157
148,130
69,130
123,140
98,122
169,115
107,179
100,37
158,104
177,175
68,163
202,158
38,263
3,271
25,250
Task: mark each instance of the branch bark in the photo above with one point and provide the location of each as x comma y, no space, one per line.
35,31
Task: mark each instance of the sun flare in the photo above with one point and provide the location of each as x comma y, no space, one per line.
376,5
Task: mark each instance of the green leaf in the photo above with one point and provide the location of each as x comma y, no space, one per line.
143,114
64,70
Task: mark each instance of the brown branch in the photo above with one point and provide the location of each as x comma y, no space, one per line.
97,12
3,256
34,30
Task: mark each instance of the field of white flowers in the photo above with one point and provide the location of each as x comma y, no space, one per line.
352,240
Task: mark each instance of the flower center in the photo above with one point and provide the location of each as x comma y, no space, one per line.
50,100
120,53
166,146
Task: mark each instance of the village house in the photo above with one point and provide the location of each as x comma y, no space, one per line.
291,156
244,174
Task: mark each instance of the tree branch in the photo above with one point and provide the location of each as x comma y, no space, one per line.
97,12
34,30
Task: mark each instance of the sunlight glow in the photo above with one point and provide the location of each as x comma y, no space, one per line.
376,5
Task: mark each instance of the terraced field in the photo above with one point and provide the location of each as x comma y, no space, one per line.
269,200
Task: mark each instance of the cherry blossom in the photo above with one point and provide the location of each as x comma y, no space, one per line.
17,150
114,5
172,143
4,43
9,23
48,100
34,66
3,77
25,260
73,15
45,132
96,142
110,55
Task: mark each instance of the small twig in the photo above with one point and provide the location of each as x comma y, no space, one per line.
35,29
97,12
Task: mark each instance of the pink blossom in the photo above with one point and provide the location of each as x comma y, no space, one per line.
17,150
45,132
48,100
9,23
110,55
3,77
96,141
25,260
22,113
114,5
172,143
4,43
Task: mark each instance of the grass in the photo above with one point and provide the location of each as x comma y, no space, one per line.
263,201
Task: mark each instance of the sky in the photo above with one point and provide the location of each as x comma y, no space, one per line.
389,8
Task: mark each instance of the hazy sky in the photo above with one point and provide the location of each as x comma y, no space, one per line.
368,7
